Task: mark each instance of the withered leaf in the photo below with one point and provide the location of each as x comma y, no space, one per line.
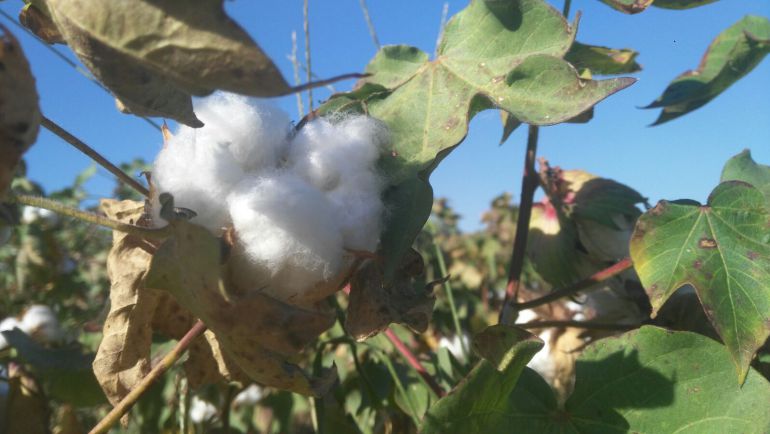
19,111
41,24
260,334
123,357
375,304
154,54
27,407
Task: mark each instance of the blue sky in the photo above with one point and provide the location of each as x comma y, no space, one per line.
680,159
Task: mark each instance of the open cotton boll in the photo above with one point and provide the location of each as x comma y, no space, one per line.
325,153
359,213
199,167
288,228
40,322
255,132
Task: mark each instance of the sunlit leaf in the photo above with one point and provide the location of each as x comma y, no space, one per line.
493,54
732,55
743,168
602,60
628,6
40,23
723,250
681,4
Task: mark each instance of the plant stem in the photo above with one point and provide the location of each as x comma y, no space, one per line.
565,9
588,325
157,371
441,25
91,153
414,363
52,205
529,184
306,22
595,278
369,23
318,83
401,389
295,66
450,297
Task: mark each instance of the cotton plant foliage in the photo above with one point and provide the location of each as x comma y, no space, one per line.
300,203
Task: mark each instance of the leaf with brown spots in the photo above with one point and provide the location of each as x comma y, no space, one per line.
19,112
40,23
375,302
723,250
258,333
504,54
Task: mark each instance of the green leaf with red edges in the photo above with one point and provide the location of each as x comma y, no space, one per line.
732,55
722,249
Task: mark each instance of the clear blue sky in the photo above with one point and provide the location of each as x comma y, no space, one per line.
680,159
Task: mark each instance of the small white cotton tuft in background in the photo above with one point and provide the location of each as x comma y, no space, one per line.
248,396
201,410
41,323
296,203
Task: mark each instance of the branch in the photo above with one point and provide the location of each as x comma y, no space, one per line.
595,278
295,66
369,23
90,152
414,363
319,83
588,325
306,22
157,371
88,217
529,184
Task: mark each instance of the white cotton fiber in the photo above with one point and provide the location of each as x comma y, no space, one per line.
297,203
287,227
40,322
199,167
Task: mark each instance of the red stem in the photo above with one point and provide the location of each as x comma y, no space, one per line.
414,363
597,277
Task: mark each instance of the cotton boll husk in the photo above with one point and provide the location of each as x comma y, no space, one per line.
199,167
40,322
287,228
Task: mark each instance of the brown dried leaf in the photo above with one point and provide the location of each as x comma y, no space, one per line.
375,303
257,332
123,357
19,111
154,54
41,24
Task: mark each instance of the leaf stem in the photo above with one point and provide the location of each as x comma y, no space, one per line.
318,83
414,363
91,153
599,276
588,325
401,389
529,184
52,205
157,371
450,297
565,9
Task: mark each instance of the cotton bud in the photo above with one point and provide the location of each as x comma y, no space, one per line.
248,396
201,410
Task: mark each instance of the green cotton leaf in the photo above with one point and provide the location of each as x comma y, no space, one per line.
723,250
732,55
494,54
66,373
681,4
743,168
154,54
478,403
602,60
650,380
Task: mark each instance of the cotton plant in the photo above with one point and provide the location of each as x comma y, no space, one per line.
301,204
